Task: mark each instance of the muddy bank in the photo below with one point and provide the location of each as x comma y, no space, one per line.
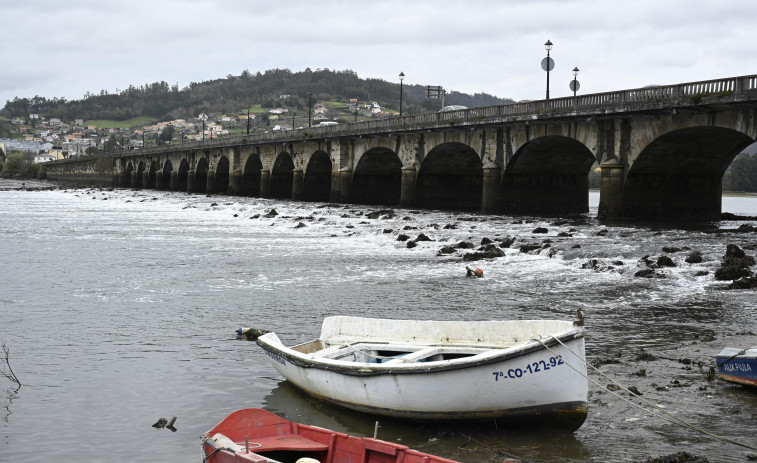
9,184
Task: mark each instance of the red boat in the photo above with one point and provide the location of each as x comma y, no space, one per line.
259,436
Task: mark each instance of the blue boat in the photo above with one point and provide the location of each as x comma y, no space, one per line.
738,366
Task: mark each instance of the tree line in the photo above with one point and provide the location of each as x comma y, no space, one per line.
230,95
741,174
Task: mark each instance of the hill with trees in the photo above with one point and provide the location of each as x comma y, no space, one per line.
741,174
161,102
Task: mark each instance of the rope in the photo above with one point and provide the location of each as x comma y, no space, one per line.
662,415
734,356
206,458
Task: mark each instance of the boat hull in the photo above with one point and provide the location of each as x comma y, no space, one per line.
258,436
525,384
736,366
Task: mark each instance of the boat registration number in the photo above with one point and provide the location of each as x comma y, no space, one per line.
531,368
733,367
276,357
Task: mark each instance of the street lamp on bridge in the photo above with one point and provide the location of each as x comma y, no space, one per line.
574,84
402,77
548,63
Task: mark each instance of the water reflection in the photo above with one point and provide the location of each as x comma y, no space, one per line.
470,441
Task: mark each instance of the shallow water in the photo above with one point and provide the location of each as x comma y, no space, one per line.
119,307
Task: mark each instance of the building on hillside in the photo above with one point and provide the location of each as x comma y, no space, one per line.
77,146
44,157
24,145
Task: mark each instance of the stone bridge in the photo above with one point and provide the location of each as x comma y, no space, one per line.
662,152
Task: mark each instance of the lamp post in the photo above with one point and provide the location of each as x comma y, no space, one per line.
203,130
574,85
293,114
402,77
310,107
248,119
548,63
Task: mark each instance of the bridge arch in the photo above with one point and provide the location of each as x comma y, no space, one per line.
450,177
317,182
251,176
200,180
151,174
548,174
126,175
182,177
165,178
282,176
141,167
679,174
377,178
221,180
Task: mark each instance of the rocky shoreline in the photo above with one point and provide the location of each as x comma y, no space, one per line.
27,184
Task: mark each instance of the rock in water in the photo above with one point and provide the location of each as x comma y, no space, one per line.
250,334
694,257
161,423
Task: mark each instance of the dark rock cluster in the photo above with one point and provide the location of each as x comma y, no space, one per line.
736,266
680,457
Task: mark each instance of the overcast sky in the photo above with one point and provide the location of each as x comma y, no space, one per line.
56,48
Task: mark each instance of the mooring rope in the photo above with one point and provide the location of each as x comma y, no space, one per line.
742,352
662,415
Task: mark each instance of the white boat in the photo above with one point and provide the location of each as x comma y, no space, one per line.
448,370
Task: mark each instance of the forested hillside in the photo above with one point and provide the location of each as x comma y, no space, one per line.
230,95
741,174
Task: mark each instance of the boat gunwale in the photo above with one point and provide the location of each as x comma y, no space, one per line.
373,369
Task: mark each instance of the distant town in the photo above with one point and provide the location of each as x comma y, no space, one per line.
51,138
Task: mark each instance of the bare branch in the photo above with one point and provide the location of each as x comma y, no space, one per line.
10,375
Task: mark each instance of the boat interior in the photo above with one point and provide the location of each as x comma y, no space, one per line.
387,353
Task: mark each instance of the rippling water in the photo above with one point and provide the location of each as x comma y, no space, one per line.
119,307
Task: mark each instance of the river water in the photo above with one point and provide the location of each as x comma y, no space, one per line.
119,307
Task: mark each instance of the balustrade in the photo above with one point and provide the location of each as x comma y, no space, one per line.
732,86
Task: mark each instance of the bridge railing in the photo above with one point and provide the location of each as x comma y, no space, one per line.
679,94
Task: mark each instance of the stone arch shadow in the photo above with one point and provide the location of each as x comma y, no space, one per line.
451,178
678,176
547,175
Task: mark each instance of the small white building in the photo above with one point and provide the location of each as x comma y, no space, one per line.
46,157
